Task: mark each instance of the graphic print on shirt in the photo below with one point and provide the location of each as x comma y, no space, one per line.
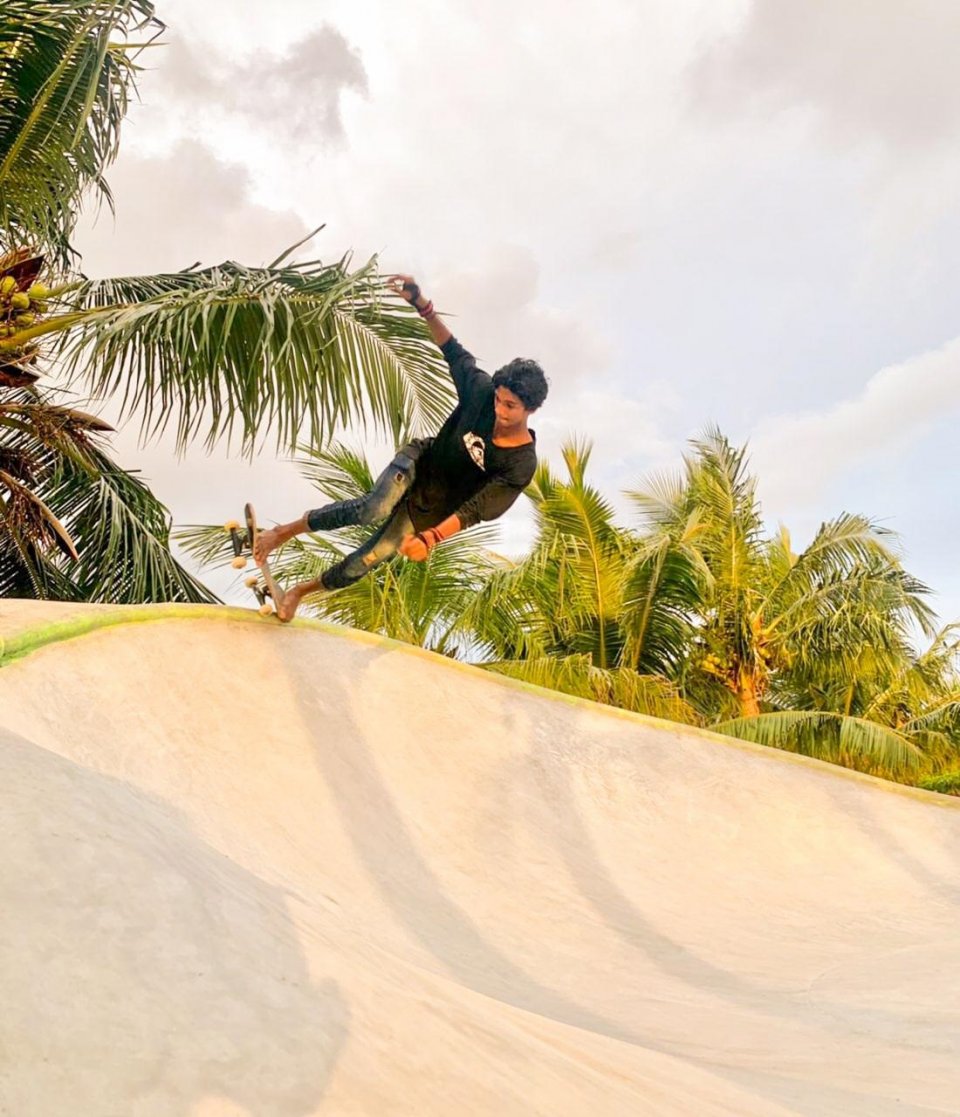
474,444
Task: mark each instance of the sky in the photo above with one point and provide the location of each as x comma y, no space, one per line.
739,214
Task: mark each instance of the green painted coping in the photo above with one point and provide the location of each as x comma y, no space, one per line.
31,639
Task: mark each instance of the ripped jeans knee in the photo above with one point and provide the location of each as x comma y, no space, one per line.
388,490
382,545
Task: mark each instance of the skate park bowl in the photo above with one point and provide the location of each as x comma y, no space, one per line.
254,870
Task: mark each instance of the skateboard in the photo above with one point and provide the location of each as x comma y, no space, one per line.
242,539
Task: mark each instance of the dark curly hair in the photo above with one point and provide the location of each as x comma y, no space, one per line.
525,379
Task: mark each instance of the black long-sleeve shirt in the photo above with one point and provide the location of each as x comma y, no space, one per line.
460,470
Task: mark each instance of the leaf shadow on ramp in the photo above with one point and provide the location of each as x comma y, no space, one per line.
142,967
890,845
415,894
590,874
401,870
780,1006
710,1004
409,886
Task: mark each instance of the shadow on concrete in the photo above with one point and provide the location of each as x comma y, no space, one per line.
138,955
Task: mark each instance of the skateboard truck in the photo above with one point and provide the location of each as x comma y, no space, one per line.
262,593
238,542
243,540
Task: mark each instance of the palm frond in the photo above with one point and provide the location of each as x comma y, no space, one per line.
289,354
339,472
56,529
502,619
67,71
574,508
829,736
875,601
59,488
35,437
417,602
842,546
627,690
27,568
122,533
664,588
662,502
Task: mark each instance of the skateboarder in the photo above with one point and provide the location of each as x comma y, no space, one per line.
475,467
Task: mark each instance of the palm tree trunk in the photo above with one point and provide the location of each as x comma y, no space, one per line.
748,696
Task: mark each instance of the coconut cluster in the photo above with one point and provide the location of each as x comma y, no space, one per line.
20,308
23,299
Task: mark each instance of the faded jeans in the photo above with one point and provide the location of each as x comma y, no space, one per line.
383,502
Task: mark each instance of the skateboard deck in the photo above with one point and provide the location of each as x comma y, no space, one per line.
243,538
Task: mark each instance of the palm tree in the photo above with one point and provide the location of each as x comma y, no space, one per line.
791,650
417,602
921,696
67,72
590,611
700,617
109,537
279,354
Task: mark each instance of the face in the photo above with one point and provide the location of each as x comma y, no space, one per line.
509,409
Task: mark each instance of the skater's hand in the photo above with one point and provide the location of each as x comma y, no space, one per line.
405,286
414,547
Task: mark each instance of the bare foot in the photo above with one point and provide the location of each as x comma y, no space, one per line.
267,540
290,601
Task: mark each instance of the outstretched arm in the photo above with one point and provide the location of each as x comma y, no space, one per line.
463,365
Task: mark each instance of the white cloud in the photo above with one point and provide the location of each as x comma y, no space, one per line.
544,177
175,210
498,310
289,93
798,457
869,70
871,81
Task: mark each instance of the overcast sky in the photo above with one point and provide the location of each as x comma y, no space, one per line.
733,212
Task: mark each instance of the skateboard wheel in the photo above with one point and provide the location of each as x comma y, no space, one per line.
239,562
265,610
250,582
231,525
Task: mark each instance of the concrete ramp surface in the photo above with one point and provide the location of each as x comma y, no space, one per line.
262,871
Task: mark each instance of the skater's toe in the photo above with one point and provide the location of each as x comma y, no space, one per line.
286,608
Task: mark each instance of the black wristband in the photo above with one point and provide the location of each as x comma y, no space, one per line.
413,291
